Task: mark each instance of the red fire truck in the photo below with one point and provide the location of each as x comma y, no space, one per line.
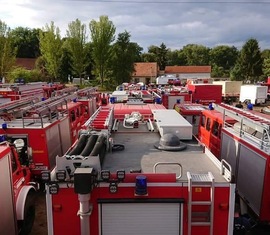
17,194
129,173
191,112
49,127
241,138
10,92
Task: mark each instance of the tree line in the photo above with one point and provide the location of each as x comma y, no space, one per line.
108,61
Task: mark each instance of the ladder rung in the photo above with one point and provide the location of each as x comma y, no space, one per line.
203,203
200,223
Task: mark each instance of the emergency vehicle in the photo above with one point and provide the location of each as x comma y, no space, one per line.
241,138
49,127
171,95
17,191
136,169
16,91
191,112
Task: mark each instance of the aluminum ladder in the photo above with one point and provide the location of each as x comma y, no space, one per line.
199,218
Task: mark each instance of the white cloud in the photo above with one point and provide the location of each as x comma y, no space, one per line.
175,24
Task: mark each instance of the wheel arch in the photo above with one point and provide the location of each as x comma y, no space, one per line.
20,203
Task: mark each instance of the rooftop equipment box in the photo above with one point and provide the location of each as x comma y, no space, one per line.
170,121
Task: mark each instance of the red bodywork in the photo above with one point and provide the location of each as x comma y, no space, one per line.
205,93
210,130
164,187
121,109
40,139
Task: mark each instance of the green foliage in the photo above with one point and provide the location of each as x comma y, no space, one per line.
27,75
65,66
51,49
223,59
124,57
7,53
196,54
251,61
76,44
102,35
266,67
236,74
26,41
157,54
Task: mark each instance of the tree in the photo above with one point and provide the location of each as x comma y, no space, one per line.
266,67
51,49
223,59
7,53
124,57
173,57
157,54
76,43
65,67
26,41
162,56
196,54
102,34
251,61
237,74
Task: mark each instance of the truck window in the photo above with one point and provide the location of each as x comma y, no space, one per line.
13,162
215,129
203,120
208,124
72,115
194,119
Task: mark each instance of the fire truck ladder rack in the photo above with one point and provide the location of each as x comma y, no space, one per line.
16,104
206,217
101,119
49,108
65,91
246,118
13,109
87,92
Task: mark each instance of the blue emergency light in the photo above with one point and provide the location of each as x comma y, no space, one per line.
4,126
2,138
141,185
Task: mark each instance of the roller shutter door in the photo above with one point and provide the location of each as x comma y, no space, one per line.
140,218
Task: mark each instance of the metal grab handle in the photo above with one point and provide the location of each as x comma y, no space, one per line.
169,163
222,168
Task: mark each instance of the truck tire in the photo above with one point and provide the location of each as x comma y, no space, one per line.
25,226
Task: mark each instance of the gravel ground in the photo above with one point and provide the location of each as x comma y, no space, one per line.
40,224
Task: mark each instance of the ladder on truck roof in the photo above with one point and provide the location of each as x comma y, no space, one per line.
245,117
48,106
13,108
196,215
87,92
101,119
65,91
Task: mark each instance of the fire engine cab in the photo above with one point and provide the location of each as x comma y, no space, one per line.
17,191
243,141
135,169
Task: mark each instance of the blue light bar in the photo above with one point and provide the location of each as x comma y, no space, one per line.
2,138
4,126
141,185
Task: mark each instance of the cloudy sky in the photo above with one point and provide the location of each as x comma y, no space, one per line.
176,23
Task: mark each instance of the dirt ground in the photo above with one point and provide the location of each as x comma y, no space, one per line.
40,224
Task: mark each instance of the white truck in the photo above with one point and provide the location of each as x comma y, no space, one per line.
164,79
255,94
230,90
